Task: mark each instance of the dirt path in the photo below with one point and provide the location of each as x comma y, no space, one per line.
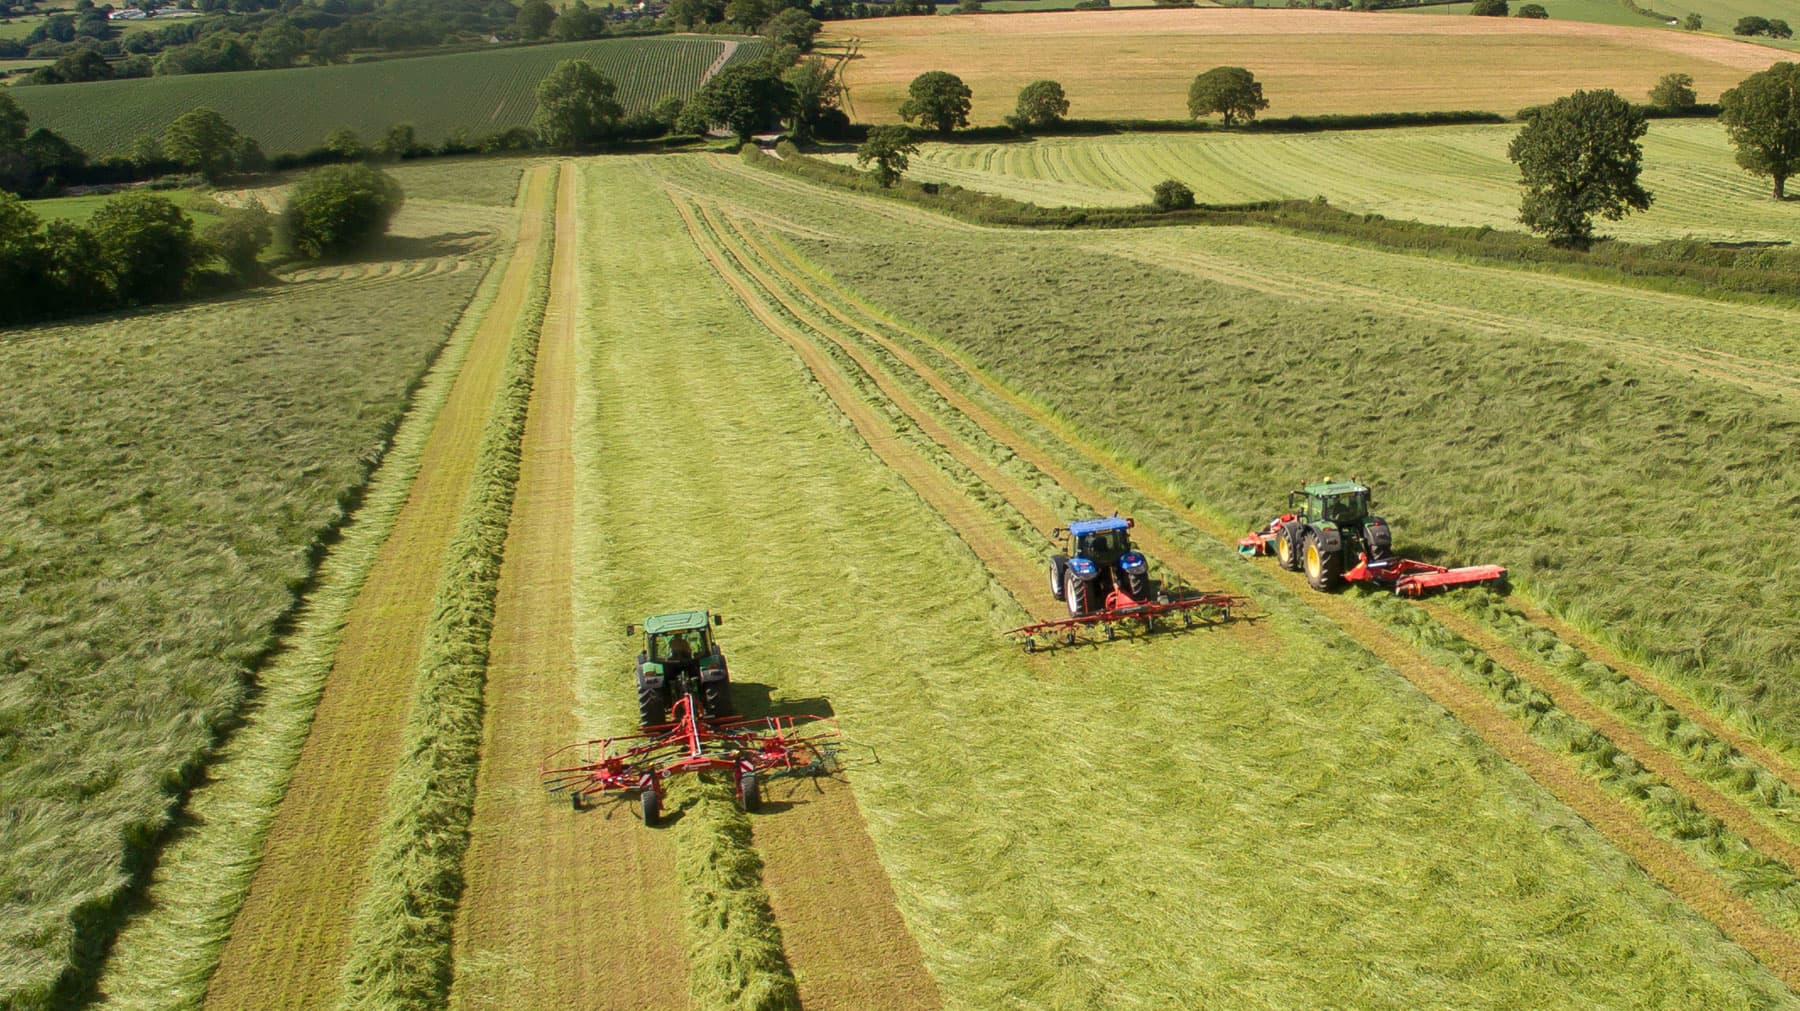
719,64
1702,890
539,881
289,940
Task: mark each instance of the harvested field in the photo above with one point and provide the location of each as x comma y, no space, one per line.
1137,64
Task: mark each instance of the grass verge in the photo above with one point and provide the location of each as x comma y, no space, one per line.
400,941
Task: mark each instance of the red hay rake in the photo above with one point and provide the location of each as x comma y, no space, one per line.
1125,614
751,750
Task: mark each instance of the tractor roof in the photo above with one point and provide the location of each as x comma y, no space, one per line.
1080,527
1335,487
675,621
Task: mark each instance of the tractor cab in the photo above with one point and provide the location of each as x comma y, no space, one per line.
1102,542
1344,503
681,658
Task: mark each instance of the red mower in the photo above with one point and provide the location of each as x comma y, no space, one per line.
1330,535
749,750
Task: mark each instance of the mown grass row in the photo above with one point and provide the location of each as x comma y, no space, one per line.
1672,814
400,942
164,958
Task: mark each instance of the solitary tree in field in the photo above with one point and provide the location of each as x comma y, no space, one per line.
1674,92
203,141
1535,12
1172,195
1041,104
337,208
937,99
575,105
1489,9
1230,91
1693,22
888,147
1579,156
1762,118
1751,25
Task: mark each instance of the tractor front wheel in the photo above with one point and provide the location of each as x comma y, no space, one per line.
1056,578
1075,592
650,802
1287,549
1322,567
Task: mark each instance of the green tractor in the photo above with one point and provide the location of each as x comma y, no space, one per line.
681,658
1329,531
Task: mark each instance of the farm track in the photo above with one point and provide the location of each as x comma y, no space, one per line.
1669,865
289,939
538,879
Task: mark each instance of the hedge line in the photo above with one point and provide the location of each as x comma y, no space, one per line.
400,942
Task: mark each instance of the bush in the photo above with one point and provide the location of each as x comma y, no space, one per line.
1172,195
1674,92
239,237
339,208
1489,9
1534,11
147,245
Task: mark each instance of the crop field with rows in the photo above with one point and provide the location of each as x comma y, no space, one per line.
1138,64
476,94
1444,175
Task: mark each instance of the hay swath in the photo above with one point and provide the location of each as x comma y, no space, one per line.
749,750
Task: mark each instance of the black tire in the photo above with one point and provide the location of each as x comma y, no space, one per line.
1075,594
1378,540
1322,567
750,791
575,799
650,803
1138,585
716,698
1056,578
1287,547
652,709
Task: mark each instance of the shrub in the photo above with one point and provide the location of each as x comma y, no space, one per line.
1489,9
338,208
239,237
1172,195
147,245
1533,11
1674,92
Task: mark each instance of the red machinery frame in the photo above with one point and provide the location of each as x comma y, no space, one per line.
746,748
1123,611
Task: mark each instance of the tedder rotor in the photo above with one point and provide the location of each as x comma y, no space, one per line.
1329,533
1106,584
750,750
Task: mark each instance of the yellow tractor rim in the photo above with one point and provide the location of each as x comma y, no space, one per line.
1312,559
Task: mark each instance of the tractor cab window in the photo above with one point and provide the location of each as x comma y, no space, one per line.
1104,545
1351,508
675,647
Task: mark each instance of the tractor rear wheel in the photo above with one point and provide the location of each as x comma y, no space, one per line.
1138,585
650,802
1322,567
1076,594
749,791
1287,546
650,706
715,698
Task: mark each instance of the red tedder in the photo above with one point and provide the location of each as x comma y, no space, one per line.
1122,611
748,749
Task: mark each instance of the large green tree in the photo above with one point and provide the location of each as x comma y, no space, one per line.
147,246
203,141
744,98
575,106
338,208
816,92
1579,156
1041,104
1762,118
1232,92
939,100
890,148
534,19
792,26
1674,92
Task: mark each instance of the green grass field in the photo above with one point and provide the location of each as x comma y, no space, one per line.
479,93
198,206
1443,175
1047,841
166,482
1718,16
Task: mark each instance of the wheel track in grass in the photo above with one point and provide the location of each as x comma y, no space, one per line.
290,937
1665,862
538,880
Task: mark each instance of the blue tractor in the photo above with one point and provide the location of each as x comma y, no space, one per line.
1096,565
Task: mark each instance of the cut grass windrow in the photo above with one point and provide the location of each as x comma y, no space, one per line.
400,943
163,958
1773,946
288,941
529,862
